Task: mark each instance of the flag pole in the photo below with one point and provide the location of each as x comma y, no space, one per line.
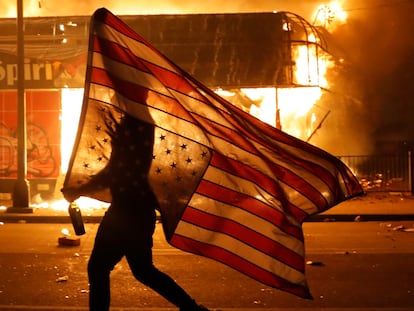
21,191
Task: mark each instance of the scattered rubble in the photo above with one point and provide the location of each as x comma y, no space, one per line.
314,263
402,228
69,241
61,279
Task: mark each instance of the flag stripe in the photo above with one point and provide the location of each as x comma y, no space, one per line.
316,168
248,203
139,46
242,250
248,219
118,53
237,168
166,118
137,93
108,19
302,150
256,256
247,236
121,54
290,211
127,51
306,185
225,256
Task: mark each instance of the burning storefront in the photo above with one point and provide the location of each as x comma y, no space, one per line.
269,64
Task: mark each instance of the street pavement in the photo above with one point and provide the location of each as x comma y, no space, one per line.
354,266
374,206
360,265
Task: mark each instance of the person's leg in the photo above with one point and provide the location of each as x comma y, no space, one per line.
105,255
140,262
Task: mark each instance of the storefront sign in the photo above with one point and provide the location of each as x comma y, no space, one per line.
36,74
41,74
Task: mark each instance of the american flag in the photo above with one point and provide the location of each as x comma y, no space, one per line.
230,187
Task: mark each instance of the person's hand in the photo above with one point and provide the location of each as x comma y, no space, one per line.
70,194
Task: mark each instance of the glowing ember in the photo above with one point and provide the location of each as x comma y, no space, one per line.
330,15
84,203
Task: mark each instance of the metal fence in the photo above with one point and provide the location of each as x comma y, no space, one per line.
382,172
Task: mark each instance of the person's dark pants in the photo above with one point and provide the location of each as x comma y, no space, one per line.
117,237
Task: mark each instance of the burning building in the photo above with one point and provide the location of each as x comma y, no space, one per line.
269,64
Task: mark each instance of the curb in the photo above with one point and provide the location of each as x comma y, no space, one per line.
25,218
13,218
360,217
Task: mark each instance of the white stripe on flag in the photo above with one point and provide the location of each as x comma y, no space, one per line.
128,73
247,219
136,47
242,250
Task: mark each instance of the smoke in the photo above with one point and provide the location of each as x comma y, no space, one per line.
376,77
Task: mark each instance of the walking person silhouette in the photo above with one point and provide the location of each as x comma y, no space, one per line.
129,223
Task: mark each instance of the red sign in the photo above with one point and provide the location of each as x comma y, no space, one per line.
43,134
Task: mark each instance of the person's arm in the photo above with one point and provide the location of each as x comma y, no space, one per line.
96,183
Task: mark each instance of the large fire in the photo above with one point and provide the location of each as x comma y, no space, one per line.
290,109
294,103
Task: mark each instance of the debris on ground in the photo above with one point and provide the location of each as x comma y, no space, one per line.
61,279
69,241
314,263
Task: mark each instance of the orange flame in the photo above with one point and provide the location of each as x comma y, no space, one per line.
293,103
330,15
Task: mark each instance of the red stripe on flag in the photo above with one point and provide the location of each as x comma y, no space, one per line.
225,133
250,205
111,20
131,91
250,237
280,138
293,160
247,172
239,264
115,51
138,93
121,54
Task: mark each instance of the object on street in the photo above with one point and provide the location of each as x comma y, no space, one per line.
76,217
69,241
314,263
64,278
